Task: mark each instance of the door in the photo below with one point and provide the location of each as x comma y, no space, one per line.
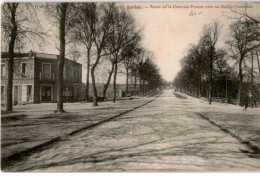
46,94
15,94
29,93
24,93
75,93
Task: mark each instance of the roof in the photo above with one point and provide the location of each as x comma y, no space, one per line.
36,55
6,55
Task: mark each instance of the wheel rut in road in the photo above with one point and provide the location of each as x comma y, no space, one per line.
165,135
254,148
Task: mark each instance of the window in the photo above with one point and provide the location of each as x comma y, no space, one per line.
46,70
66,72
79,76
71,73
3,70
2,90
67,92
78,92
29,90
23,69
74,74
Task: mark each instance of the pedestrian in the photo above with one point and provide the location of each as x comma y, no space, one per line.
246,102
255,102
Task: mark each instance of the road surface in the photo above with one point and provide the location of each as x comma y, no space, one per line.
164,135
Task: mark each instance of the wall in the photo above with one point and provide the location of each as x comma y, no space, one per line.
39,80
18,78
33,74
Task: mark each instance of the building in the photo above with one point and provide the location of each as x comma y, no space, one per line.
35,78
120,90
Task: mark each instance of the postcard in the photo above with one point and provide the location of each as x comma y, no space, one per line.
130,86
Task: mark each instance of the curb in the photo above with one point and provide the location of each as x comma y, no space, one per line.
7,161
255,148
11,116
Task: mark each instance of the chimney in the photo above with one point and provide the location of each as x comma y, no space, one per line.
30,54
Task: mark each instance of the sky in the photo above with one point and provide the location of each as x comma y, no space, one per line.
168,32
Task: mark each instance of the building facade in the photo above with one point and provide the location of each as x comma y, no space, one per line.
120,90
35,78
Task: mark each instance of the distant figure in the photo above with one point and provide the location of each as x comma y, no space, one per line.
245,102
255,103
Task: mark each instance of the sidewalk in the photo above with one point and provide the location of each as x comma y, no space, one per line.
243,124
35,124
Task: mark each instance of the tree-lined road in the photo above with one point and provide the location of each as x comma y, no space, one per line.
164,135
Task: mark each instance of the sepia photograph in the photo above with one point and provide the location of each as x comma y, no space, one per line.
126,86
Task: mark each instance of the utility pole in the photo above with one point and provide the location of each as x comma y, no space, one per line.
252,80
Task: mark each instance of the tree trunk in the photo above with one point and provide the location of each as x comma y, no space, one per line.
140,86
108,81
62,57
126,89
114,84
200,83
240,82
95,102
210,80
141,76
9,100
258,66
135,83
87,78
9,96
252,79
143,88
202,89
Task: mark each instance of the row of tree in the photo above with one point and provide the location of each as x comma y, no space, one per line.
107,34
207,70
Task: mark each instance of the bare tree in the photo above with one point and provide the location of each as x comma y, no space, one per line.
63,16
129,55
133,71
84,33
195,67
102,30
19,25
134,66
123,35
243,14
144,56
210,35
151,76
74,53
110,73
243,38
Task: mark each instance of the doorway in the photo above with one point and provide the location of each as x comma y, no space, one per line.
15,95
46,94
